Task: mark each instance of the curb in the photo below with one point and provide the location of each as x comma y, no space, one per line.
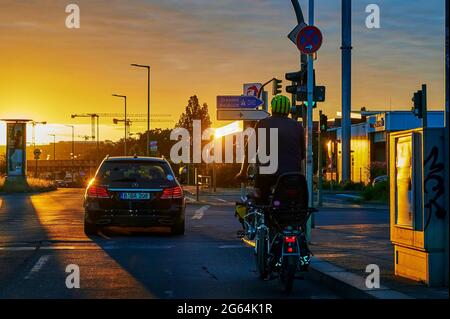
347,283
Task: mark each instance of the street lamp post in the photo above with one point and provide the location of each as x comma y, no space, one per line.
54,145
73,147
125,100
148,103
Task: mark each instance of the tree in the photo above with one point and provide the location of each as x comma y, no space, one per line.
193,112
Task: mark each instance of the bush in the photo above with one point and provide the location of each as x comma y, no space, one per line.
379,192
348,186
30,185
376,169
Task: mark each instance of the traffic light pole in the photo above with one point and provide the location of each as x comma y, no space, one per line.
346,88
424,107
319,164
309,124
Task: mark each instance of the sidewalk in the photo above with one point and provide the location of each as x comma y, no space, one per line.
342,252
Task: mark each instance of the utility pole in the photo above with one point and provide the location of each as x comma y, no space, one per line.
447,122
73,148
125,137
148,104
97,162
319,162
346,88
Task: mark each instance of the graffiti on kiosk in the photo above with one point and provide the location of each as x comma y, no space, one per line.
434,186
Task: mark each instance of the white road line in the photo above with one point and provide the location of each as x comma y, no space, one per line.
38,266
231,246
198,214
58,248
103,235
221,200
190,199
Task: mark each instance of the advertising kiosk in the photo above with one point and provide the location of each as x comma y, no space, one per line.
16,155
418,217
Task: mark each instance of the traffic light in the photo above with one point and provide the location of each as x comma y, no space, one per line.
323,122
417,104
300,86
299,77
298,80
276,86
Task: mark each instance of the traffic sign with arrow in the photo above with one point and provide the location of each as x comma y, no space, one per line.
241,114
238,102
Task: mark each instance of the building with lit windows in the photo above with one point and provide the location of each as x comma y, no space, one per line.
369,142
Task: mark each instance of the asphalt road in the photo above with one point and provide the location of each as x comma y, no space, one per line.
41,235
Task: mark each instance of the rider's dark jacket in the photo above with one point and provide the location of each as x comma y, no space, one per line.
291,142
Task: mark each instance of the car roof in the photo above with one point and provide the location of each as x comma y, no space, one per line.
135,159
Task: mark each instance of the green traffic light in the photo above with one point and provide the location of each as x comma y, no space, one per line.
306,103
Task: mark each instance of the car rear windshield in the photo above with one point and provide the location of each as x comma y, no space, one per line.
141,172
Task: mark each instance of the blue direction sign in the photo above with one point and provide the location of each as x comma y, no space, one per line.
238,102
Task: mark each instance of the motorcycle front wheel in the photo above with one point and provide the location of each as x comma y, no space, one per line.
262,245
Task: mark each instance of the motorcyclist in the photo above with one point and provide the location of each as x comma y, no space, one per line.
291,148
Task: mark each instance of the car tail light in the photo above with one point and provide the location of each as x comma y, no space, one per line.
173,192
97,191
289,239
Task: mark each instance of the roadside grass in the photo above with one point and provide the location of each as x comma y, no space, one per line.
30,185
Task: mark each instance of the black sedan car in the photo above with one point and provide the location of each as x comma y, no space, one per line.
134,191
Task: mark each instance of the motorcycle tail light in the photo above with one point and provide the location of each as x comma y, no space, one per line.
290,239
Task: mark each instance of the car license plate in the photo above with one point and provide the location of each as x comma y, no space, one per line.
134,196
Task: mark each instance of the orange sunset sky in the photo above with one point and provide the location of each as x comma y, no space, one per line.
203,47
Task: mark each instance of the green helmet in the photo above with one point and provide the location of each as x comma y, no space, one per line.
281,105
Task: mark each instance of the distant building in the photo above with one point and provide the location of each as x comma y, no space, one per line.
369,139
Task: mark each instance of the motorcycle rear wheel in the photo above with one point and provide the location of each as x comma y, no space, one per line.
287,273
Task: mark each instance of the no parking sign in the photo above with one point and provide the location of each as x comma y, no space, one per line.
309,39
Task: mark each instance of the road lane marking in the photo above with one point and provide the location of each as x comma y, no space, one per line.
221,200
58,248
231,246
103,235
199,213
190,199
38,266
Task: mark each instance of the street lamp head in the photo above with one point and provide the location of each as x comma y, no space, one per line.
118,95
141,65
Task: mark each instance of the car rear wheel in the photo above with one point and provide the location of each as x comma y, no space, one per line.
90,229
178,228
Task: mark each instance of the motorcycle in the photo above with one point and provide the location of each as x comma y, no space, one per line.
281,249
